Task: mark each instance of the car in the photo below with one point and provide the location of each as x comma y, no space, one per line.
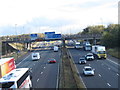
35,56
82,61
88,71
89,56
51,60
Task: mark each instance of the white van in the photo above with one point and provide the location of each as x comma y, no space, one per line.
55,48
35,56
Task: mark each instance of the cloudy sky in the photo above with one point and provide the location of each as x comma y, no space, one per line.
61,16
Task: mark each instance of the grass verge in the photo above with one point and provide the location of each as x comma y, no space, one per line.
114,52
69,78
15,55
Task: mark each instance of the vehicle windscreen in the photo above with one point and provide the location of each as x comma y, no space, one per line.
88,69
90,55
6,84
101,52
34,55
82,59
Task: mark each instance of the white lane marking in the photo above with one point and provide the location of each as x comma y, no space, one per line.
99,75
108,84
113,62
117,74
23,60
41,73
37,79
57,77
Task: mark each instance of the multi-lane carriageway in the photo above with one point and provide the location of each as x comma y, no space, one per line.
46,75
106,70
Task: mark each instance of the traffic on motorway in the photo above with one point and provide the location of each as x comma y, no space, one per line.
96,69
40,67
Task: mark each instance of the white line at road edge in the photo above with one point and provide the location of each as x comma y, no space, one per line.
78,72
113,62
57,78
23,60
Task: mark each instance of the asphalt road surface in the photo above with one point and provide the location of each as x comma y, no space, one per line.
44,75
106,70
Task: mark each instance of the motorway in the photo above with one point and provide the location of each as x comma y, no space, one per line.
106,71
44,75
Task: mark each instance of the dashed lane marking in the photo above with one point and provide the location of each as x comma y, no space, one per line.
37,79
117,74
99,75
108,84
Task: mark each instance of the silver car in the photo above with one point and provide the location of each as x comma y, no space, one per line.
88,70
82,61
89,56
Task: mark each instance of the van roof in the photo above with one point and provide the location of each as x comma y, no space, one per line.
14,75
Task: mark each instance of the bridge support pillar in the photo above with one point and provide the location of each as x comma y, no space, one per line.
63,43
29,46
94,40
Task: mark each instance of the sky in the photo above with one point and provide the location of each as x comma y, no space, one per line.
61,16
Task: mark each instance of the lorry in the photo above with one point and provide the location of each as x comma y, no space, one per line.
99,51
6,65
55,48
16,79
78,45
87,46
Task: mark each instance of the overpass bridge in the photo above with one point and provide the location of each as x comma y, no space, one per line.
28,42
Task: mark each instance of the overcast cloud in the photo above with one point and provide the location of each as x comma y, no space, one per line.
62,16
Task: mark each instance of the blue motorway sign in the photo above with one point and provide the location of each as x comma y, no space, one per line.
52,35
57,36
33,36
46,33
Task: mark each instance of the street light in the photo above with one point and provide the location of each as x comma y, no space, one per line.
16,39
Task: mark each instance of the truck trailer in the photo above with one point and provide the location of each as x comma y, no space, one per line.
99,51
6,65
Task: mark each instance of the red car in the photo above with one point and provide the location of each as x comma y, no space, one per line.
52,60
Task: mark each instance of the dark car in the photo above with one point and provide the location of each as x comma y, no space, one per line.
51,60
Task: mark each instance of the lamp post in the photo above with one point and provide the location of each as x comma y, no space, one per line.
16,39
